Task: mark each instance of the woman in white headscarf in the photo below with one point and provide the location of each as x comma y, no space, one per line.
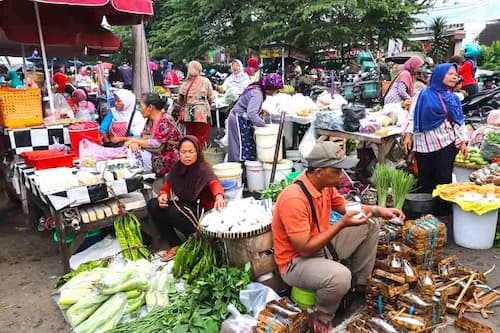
123,121
235,83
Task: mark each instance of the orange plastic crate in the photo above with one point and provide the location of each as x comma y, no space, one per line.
20,107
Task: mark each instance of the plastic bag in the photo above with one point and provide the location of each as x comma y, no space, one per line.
56,145
61,107
256,296
352,116
369,125
489,150
308,141
238,323
330,120
325,98
90,153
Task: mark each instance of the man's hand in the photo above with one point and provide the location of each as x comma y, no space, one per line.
163,200
390,213
349,219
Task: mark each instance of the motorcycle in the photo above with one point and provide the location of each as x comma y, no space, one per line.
477,107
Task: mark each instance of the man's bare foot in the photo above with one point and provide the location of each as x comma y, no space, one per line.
322,323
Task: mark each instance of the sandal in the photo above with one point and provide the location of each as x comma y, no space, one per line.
169,255
321,325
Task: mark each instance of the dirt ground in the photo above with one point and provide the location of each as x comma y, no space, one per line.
29,265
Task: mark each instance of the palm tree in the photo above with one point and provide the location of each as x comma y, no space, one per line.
439,46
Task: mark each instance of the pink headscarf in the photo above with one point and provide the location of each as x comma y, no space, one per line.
408,71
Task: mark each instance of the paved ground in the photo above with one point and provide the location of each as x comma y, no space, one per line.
29,264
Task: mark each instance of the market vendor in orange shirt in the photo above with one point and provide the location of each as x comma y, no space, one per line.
191,186
301,240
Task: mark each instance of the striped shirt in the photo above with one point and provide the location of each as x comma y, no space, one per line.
437,138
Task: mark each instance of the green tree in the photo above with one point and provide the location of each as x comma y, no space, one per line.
416,46
491,56
187,29
125,52
439,45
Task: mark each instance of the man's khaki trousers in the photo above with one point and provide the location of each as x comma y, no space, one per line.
332,280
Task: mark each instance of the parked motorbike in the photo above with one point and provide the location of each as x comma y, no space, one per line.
477,107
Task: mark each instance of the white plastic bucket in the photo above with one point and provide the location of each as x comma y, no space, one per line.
462,174
283,169
256,181
229,175
473,231
296,158
265,140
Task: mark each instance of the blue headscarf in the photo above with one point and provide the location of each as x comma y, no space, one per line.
167,67
429,111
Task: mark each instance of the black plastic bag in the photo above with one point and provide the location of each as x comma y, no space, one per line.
352,115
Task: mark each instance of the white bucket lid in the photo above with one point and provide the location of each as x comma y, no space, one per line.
270,129
283,164
253,164
226,166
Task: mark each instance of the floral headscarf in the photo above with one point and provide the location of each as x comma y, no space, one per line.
272,81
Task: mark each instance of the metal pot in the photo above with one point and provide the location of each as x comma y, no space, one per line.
418,204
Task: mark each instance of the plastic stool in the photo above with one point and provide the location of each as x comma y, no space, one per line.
303,297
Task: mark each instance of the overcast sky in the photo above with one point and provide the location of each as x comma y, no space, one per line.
472,13
465,11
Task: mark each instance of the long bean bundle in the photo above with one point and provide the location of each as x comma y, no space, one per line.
128,233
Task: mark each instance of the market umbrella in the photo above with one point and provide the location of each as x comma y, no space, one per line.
59,42
55,12
143,80
59,14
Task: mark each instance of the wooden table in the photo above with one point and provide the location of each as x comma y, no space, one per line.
36,207
67,251
381,145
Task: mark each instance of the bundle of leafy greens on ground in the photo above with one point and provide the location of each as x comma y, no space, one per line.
201,309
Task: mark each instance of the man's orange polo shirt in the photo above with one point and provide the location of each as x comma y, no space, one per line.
293,217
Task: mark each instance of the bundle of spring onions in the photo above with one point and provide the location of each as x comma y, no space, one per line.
402,183
382,182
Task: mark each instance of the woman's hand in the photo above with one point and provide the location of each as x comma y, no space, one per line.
117,139
464,150
407,144
131,144
406,103
104,138
163,200
220,203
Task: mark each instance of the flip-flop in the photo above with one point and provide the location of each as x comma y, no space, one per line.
169,255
